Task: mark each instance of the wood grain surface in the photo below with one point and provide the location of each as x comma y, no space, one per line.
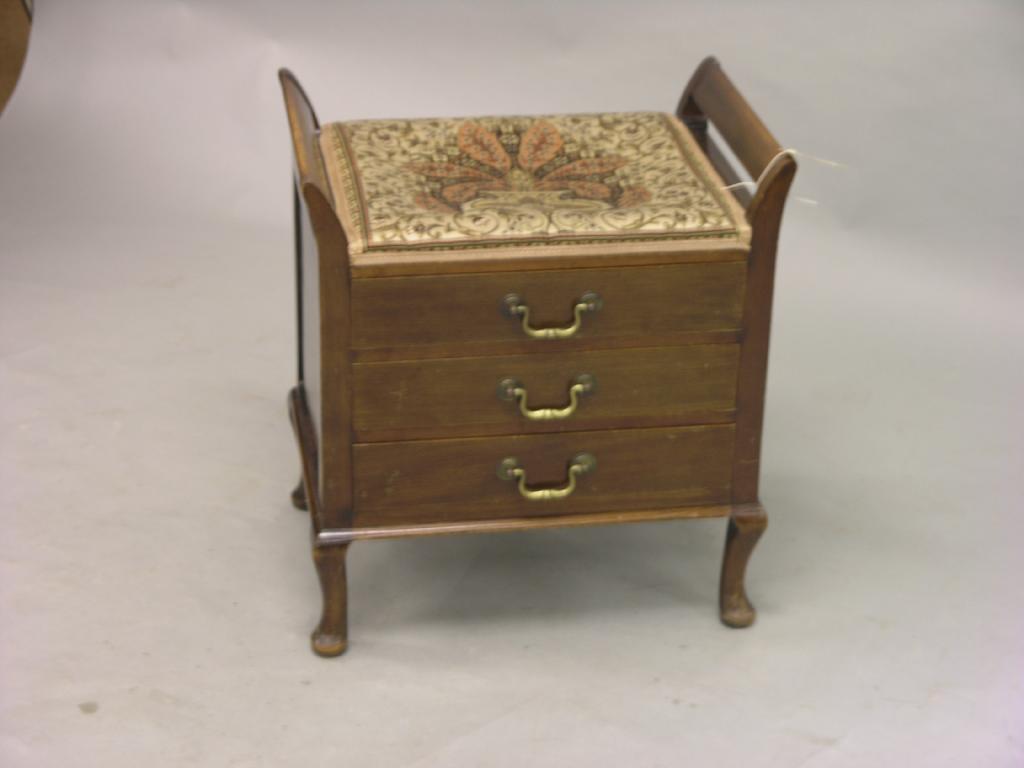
646,386
464,312
430,481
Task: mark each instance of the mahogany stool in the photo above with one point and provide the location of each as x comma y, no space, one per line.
509,323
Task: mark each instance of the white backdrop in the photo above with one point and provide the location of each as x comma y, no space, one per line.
155,587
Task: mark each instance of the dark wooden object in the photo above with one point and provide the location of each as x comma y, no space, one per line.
712,96
15,28
381,402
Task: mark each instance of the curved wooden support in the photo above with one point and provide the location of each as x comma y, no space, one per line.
305,495
746,524
299,496
711,96
323,322
765,214
303,125
322,424
687,108
15,29
330,638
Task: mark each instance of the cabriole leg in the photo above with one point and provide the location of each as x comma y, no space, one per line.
746,524
330,638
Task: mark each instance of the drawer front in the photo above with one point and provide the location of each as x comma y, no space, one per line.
570,391
431,481
638,304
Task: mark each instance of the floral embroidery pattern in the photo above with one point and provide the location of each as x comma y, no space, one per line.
453,183
540,164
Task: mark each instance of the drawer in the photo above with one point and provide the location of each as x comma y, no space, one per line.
430,481
602,389
638,305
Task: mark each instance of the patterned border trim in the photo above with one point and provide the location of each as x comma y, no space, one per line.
701,166
355,229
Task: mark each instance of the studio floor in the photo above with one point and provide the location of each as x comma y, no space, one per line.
156,589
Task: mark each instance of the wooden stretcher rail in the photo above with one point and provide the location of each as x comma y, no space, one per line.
328,538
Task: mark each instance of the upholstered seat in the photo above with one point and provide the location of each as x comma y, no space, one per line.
594,183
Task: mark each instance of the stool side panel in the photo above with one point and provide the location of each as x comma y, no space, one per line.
766,216
334,425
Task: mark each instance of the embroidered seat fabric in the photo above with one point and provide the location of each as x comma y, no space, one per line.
619,181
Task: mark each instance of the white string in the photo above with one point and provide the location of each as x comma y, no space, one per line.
792,153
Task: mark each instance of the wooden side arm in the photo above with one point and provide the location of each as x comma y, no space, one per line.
712,97
322,277
304,127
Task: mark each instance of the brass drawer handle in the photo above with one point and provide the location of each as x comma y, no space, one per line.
581,464
512,389
513,306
